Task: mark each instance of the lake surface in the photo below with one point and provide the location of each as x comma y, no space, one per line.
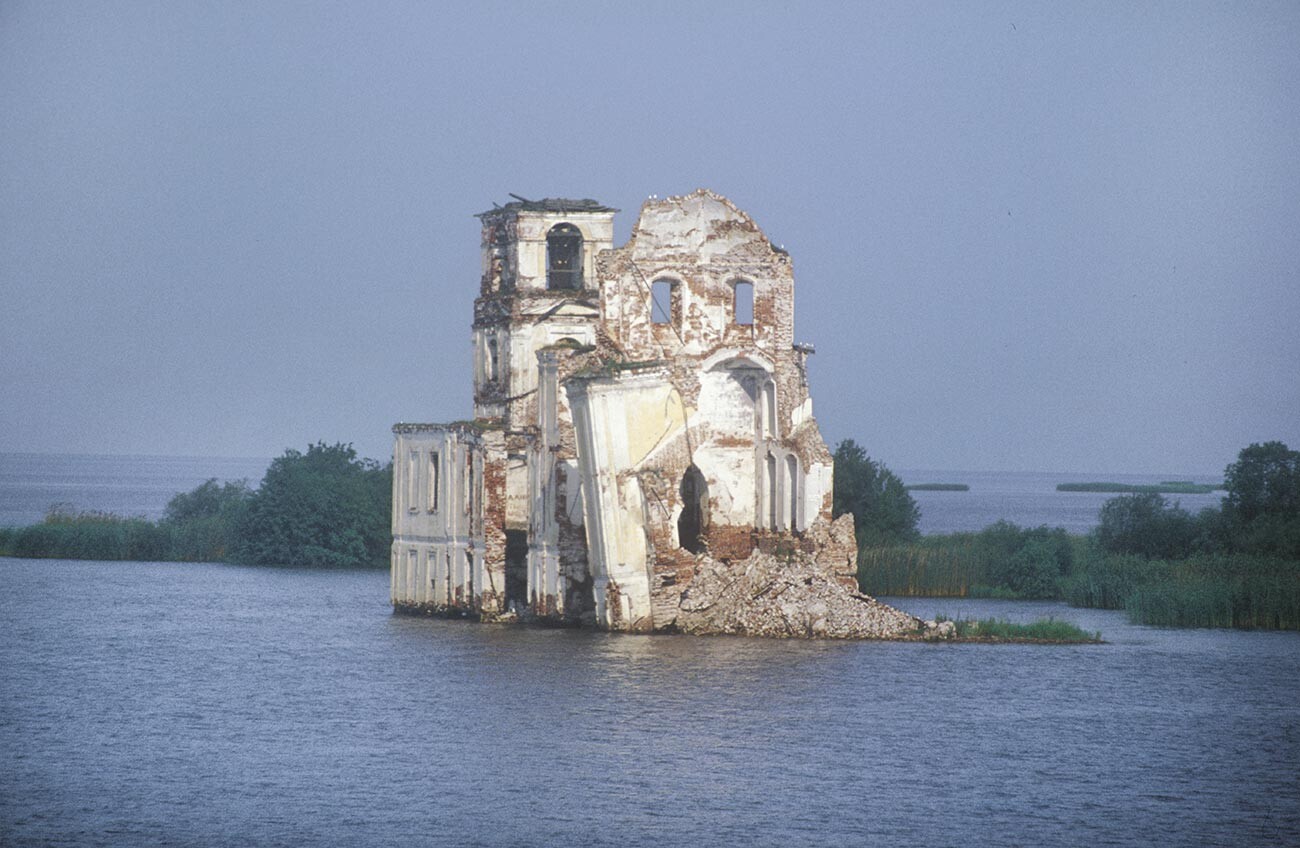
142,485
31,483
1030,499
183,704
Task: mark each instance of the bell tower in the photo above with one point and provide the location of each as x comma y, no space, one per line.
539,286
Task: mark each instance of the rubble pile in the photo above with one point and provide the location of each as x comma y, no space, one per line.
791,594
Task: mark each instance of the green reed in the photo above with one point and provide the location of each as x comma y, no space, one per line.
91,535
1042,630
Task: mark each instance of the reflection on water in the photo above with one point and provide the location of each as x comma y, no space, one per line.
215,705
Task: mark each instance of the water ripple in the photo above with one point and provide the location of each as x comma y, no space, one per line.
162,704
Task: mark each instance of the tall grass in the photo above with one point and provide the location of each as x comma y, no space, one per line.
1207,590
1221,591
937,566
88,535
1042,630
1002,561
1203,590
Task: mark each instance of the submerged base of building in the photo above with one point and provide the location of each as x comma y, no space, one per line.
784,588
643,455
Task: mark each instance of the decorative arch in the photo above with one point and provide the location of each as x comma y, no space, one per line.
732,358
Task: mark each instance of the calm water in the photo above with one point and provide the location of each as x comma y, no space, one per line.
31,483
151,704
126,485
1030,498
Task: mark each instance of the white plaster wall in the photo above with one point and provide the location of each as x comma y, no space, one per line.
434,534
618,424
729,472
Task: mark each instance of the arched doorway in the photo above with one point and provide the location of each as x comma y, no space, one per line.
694,520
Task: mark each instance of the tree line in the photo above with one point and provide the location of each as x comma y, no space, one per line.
1236,565
325,507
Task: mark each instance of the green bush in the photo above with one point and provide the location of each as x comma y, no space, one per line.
322,508
883,511
204,522
1146,525
1031,572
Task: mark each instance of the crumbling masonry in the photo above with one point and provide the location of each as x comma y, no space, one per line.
643,454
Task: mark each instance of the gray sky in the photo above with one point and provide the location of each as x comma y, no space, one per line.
1026,236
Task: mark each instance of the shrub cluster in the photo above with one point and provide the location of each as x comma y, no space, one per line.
883,511
1260,514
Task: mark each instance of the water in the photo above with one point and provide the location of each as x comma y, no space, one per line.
1030,498
156,703
126,485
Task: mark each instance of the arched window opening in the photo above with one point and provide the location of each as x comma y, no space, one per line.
493,366
769,409
564,257
792,491
743,303
772,502
502,275
694,520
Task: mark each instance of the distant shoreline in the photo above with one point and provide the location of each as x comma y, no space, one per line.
1168,487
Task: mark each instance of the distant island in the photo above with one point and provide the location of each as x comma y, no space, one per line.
938,487
1168,487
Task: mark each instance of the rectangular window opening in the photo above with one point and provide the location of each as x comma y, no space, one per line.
413,481
743,306
434,475
661,302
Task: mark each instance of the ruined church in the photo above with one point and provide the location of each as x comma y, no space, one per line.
643,454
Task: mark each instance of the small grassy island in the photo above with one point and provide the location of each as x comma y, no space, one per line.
1045,631
937,487
1168,487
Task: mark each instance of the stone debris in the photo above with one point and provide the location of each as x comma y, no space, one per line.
790,595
